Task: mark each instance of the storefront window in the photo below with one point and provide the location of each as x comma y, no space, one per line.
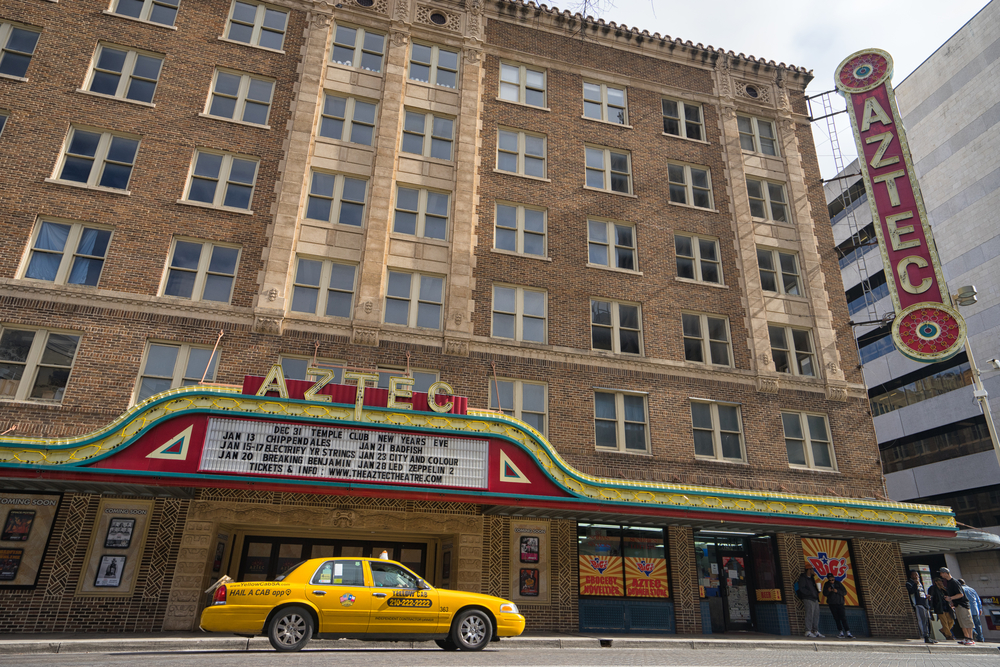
765,570
622,561
708,568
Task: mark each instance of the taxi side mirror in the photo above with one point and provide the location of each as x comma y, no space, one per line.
423,585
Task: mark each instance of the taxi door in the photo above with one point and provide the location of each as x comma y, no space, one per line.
338,590
398,605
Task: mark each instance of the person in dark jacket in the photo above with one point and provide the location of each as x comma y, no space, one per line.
918,599
835,592
809,594
941,607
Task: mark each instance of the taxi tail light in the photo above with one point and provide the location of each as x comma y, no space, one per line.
220,596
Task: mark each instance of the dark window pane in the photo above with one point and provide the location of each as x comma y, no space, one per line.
202,190
318,208
115,176
76,169
217,288
180,283
208,164
238,196
141,91
105,83
131,8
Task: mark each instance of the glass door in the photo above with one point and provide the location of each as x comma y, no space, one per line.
735,589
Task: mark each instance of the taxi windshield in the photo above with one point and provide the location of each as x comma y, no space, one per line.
388,575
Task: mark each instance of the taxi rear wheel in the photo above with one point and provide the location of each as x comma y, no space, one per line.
472,631
446,644
290,629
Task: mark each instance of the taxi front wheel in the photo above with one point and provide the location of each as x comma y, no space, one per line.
290,629
472,630
446,644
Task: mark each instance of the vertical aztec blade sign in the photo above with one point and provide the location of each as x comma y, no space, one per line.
927,327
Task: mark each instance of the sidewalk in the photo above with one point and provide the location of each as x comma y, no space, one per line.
201,641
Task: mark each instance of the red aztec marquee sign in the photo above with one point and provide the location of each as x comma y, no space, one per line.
927,327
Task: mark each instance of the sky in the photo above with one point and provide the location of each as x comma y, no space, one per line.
813,34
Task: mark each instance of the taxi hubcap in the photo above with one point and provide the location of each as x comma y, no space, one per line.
291,629
473,630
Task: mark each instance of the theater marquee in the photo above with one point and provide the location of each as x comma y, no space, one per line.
927,327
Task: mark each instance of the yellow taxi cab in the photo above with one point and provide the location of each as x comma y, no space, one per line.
358,598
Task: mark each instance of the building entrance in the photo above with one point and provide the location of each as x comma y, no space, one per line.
724,582
263,557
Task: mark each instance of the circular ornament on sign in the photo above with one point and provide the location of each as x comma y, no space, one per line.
864,70
929,332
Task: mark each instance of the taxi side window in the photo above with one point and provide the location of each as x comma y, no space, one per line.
387,575
340,573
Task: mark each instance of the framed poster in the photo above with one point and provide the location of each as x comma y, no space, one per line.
529,543
10,561
529,549
832,557
529,582
122,524
119,533
17,527
109,572
25,529
220,552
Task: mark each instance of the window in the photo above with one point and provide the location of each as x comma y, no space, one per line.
337,198
689,185
323,288
521,400
125,74
520,229
3,121
779,271
433,64
522,84
98,159
620,422
294,368
421,213
698,259
807,440
767,200
611,244
616,327
222,179
414,300
348,119
163,12
340,573
717,432
18,43
49,260
35,364
241,97
422,380
521,153
757,135
706,339
867,293
257,25
201,271
356,47
604,102
168,366
388,575
797,359
683,119
609,170
428,135
519,313
912,388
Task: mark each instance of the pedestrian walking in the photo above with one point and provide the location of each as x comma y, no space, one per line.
918,599
954,594
808,592
940,606
977,610
835,592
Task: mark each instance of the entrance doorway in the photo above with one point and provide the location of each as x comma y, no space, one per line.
264,557
724,582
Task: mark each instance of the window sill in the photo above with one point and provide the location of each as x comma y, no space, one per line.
399,236
98,188
520,254
522,104
530,178
28,401
192,302
611,192
235,122
763,155
14,78
116,99
808,378
710,459
329,140
130,18
606,122
405,327
351,68
677,136
604,450
432,86
336,225
427,158
795,466
765,221
705,364
696,208
533,344
613,268
227,209
692,281
608,354
782,295
252,46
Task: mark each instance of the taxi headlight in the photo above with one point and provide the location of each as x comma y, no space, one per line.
508,608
